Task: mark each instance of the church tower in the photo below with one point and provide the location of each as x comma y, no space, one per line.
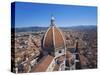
77,57
53,41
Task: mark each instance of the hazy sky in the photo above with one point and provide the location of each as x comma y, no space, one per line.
35,14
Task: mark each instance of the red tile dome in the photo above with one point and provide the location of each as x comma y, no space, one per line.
53,38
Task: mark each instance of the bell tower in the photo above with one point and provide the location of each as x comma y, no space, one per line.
77,57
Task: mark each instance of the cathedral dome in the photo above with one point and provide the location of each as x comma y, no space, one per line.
53,38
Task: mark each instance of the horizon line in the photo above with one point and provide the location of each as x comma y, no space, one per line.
57,26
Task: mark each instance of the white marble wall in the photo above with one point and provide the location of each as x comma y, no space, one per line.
57,54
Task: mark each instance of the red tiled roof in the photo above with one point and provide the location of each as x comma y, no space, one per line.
53,38
43,64
68,54
83,60
59,41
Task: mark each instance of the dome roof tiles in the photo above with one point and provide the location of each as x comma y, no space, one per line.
53,38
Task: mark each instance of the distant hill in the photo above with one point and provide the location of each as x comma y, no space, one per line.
80,28
30,29
75,28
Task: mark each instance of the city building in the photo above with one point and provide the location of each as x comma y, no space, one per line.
53,55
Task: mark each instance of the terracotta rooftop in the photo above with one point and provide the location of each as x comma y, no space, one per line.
83,60
68,54
43,64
